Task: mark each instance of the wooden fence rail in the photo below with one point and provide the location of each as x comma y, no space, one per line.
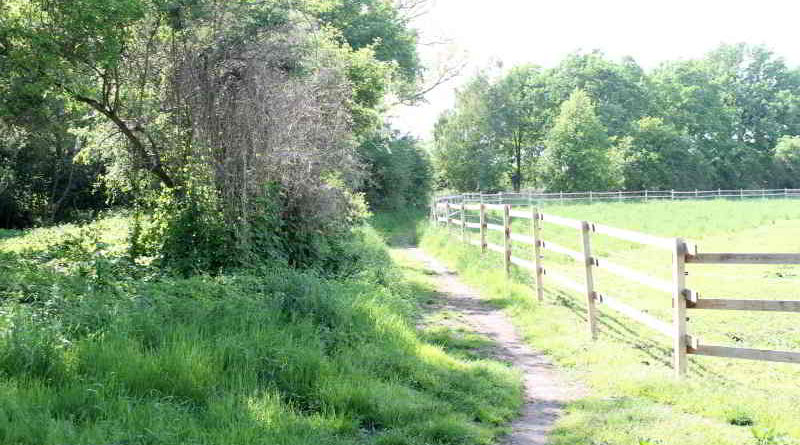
683,299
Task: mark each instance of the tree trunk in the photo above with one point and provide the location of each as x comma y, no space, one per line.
518,174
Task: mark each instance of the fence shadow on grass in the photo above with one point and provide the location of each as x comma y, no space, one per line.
615,327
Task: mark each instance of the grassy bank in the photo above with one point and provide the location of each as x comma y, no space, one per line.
636,399
96,348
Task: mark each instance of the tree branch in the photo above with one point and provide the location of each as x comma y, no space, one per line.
154,162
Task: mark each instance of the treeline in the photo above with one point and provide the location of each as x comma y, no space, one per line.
728,120
237,130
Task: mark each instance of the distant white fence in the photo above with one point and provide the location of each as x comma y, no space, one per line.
533,197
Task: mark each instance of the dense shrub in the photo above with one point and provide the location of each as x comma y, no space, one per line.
400,172
98,349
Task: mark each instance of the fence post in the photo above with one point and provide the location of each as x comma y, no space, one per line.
588,264
507,238
763,194
695,194
463,224
741,194
483,227
619,192
537,253
561,197
672,194
591,197
679,307
785,193
645,196
719,193
447,216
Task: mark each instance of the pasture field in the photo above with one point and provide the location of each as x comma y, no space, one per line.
636,398
96,348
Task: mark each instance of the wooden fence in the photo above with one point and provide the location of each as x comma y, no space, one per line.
683,252
532,197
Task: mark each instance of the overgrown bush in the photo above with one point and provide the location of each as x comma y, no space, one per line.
191,235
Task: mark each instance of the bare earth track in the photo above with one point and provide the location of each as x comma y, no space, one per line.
546,389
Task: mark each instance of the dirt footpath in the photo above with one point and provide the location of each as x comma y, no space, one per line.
546,389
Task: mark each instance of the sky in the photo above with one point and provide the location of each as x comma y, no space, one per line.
544,32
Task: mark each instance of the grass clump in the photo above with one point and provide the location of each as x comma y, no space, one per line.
98,348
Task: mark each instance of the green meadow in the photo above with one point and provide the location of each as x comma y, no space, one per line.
96,348
635,398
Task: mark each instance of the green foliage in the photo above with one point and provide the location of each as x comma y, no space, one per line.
41,178
127,87
787,160
655,155
188,235
369,82
465,157
266,355
619,90
576,157
720,118
379,25
518,117
400,173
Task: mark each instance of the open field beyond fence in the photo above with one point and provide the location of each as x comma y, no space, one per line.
727,288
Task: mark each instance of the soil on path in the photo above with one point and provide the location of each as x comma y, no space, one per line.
546,389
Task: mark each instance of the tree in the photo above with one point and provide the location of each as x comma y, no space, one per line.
379,25
734,104
576,154
518,116
691,100
762,91
655,155
219,117
85,50
619,90
400,172
787,162
466,157
41,178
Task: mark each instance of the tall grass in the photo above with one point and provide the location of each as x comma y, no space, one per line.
98,349
722,401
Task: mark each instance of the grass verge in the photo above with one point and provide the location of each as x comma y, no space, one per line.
97,349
